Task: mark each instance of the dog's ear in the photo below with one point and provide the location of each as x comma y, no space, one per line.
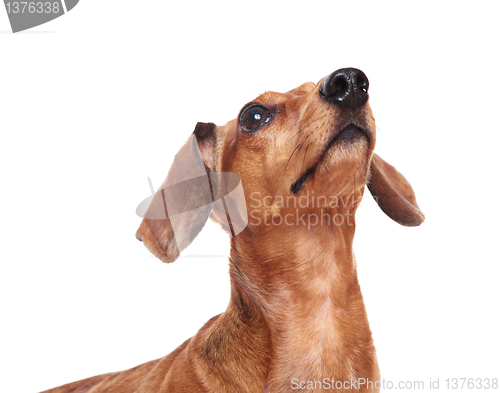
394,194
181,206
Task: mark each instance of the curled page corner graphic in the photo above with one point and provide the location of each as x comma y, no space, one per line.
191,194
223,196
24,15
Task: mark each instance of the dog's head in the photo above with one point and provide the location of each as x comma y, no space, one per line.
307,151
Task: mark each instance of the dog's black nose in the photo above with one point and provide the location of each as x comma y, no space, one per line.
347,87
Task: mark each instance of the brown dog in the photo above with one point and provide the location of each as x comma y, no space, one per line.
296,318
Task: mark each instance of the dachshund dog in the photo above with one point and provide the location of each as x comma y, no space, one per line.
284,179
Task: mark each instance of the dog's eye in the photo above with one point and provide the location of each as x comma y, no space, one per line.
254,117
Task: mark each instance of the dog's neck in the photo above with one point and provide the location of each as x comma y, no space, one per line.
299,289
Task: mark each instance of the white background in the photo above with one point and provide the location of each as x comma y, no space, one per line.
93,103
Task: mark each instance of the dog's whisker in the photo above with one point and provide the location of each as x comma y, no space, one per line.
288,162
304,128
305,154
299,146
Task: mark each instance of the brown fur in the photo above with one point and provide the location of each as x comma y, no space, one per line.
296,309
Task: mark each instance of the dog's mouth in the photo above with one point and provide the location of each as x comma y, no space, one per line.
348,136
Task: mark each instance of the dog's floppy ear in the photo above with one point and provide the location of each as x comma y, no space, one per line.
394,194
181,206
